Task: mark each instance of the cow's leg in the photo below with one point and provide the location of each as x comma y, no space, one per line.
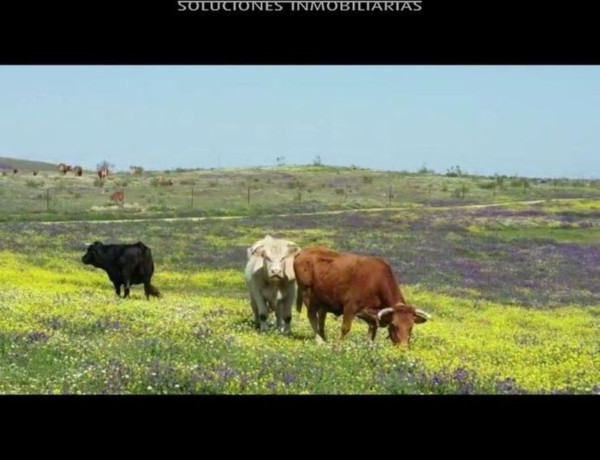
126,282
312,311
117,288
255,311
371,322
147,289
322,316
263,309
286,311
278,318
347,321
372,331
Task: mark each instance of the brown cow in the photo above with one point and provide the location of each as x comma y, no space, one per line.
35,172
160,180
78,171
103,173
63,168
352,285
118,197
15,170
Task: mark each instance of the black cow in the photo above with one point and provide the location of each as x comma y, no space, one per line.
125,264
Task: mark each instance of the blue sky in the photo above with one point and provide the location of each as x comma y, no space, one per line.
529,120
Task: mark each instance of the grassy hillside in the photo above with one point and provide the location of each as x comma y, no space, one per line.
260,191
27,165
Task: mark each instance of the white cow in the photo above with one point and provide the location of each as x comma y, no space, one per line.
271,281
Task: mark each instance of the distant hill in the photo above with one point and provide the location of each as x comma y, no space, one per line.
10,163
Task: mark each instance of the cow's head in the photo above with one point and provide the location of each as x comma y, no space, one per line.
400,320
92,256
277,259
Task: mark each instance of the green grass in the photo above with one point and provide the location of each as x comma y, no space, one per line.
561,235
67,333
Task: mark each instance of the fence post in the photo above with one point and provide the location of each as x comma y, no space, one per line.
249,194
390,196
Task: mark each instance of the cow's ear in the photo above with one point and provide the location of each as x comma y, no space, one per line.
293,249
288,269
258,251
95,247
257,264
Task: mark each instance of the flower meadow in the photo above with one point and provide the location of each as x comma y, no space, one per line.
512,290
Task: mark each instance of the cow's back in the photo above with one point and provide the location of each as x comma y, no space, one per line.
137,258
335,278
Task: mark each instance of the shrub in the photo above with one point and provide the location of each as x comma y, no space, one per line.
33,183
487,185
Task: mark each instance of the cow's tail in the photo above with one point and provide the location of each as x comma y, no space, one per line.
153,291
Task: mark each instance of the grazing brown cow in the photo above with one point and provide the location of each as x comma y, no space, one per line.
63,168
352,285
160,180
35,172
78,170
103,173
15,170
118,197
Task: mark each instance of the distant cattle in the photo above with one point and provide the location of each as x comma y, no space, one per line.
125,264
352,285
270,279
64,168
15,170
35,172
160,180
103,173
78,170
118,196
